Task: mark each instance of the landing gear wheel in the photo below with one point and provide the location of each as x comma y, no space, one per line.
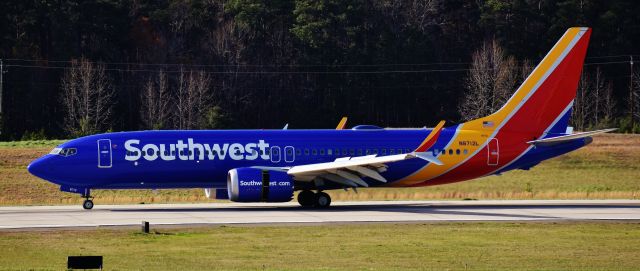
87,204
323,200
306,198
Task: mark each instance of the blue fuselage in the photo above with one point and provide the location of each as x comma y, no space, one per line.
201,159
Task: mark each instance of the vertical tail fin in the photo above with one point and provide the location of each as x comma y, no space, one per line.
542,104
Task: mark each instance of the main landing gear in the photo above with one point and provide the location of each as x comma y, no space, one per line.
307,198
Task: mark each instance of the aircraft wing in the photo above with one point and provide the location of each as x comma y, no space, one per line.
349,171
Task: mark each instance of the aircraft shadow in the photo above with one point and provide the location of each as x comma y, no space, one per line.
434,209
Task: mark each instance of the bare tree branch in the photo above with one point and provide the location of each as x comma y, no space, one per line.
492,79
155,102
87,96
193,99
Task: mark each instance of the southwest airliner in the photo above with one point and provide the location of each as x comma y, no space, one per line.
270,165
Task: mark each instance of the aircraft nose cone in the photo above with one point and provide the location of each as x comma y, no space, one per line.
38,167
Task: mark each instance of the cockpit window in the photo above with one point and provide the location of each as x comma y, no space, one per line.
64,151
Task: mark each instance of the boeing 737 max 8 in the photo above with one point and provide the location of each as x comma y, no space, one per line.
269,165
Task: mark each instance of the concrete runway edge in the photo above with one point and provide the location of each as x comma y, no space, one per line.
34,217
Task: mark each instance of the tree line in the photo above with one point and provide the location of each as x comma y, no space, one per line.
80,67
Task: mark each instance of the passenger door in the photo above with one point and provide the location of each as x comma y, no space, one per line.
104,153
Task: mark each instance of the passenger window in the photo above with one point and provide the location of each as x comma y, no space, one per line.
337,151
352,152
315,152
359,152
321,151
329,152
368,151
457,151
465,151
375,151
306,151
298,152
344,151
399,151
150,152
391,151
383,151
450,151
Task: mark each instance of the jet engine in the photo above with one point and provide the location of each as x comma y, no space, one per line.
258,185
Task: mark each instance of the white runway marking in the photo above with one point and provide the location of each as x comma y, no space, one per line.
359,211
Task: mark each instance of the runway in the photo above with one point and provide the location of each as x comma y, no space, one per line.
340,212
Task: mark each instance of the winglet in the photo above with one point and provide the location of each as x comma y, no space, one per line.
431,138
427,157
342,123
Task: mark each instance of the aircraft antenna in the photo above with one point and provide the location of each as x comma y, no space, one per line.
631,98
1,88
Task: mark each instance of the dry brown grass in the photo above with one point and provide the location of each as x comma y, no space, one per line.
609,168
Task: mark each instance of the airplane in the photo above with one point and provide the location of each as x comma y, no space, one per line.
270,165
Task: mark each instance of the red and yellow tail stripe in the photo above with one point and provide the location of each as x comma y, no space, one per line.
541,98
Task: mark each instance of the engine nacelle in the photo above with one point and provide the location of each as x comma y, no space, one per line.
257,185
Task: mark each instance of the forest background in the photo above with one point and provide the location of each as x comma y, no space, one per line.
72,68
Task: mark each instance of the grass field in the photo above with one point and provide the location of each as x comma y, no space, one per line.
439,246
608,168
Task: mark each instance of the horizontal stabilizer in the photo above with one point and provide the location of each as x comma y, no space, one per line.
565,138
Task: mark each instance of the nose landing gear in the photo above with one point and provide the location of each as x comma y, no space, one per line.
88,203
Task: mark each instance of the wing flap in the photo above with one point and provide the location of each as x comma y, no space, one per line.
306,169
368,172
